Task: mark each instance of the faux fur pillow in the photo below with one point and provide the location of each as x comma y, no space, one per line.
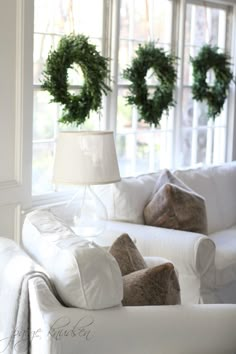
152,286
127,255
143,286
175,206
167,177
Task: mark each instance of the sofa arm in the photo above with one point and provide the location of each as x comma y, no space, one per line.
190,252
208,329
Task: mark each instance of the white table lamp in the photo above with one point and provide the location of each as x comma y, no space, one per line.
86,158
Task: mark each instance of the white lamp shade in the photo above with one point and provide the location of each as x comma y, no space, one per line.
85,157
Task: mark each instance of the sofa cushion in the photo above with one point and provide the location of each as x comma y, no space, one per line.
225,258
224,178
175,206
216,184
85,275
152,286
127,255
125,200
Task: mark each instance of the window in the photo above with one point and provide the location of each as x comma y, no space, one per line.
186,137
202,141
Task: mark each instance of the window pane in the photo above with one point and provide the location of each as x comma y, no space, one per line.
67,16
205,25
146,20
44,116
42,167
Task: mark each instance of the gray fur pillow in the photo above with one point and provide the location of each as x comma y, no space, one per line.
127,255
167,177
152,286
176,206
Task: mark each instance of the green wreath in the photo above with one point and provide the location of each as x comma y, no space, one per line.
215,96
147,57
76,49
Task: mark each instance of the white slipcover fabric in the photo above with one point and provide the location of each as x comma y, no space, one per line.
217,184
16,269
192,254
125,200
225,258
73,263
193,329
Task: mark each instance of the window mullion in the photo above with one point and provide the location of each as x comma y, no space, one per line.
111,107
179,96
230,153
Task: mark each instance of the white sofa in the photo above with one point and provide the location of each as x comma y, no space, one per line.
33,320
206,264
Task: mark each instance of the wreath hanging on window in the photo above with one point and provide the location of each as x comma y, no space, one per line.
163,65
75,49
215,95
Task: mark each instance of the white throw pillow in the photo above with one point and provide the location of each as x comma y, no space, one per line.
125,200
84,274
224,177
217,185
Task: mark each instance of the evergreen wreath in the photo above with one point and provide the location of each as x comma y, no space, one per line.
76,49
147,57
215,95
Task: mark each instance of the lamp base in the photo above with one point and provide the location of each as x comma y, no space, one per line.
89,213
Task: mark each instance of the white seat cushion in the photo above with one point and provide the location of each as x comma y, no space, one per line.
85,275
225,258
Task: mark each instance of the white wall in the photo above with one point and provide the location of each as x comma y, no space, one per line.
16,23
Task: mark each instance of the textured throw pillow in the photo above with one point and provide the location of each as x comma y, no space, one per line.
175,206
127,255
152,286
167,177
143,286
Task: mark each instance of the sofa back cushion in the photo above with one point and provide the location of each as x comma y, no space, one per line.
84,274
125,200
217,185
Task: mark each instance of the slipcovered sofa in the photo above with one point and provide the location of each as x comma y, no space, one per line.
206,263
34,319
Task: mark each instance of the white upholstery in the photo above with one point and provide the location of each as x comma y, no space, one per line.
217,185
225,180
225,258
192,254
126,199
54,328
206,265
195,329
73,263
